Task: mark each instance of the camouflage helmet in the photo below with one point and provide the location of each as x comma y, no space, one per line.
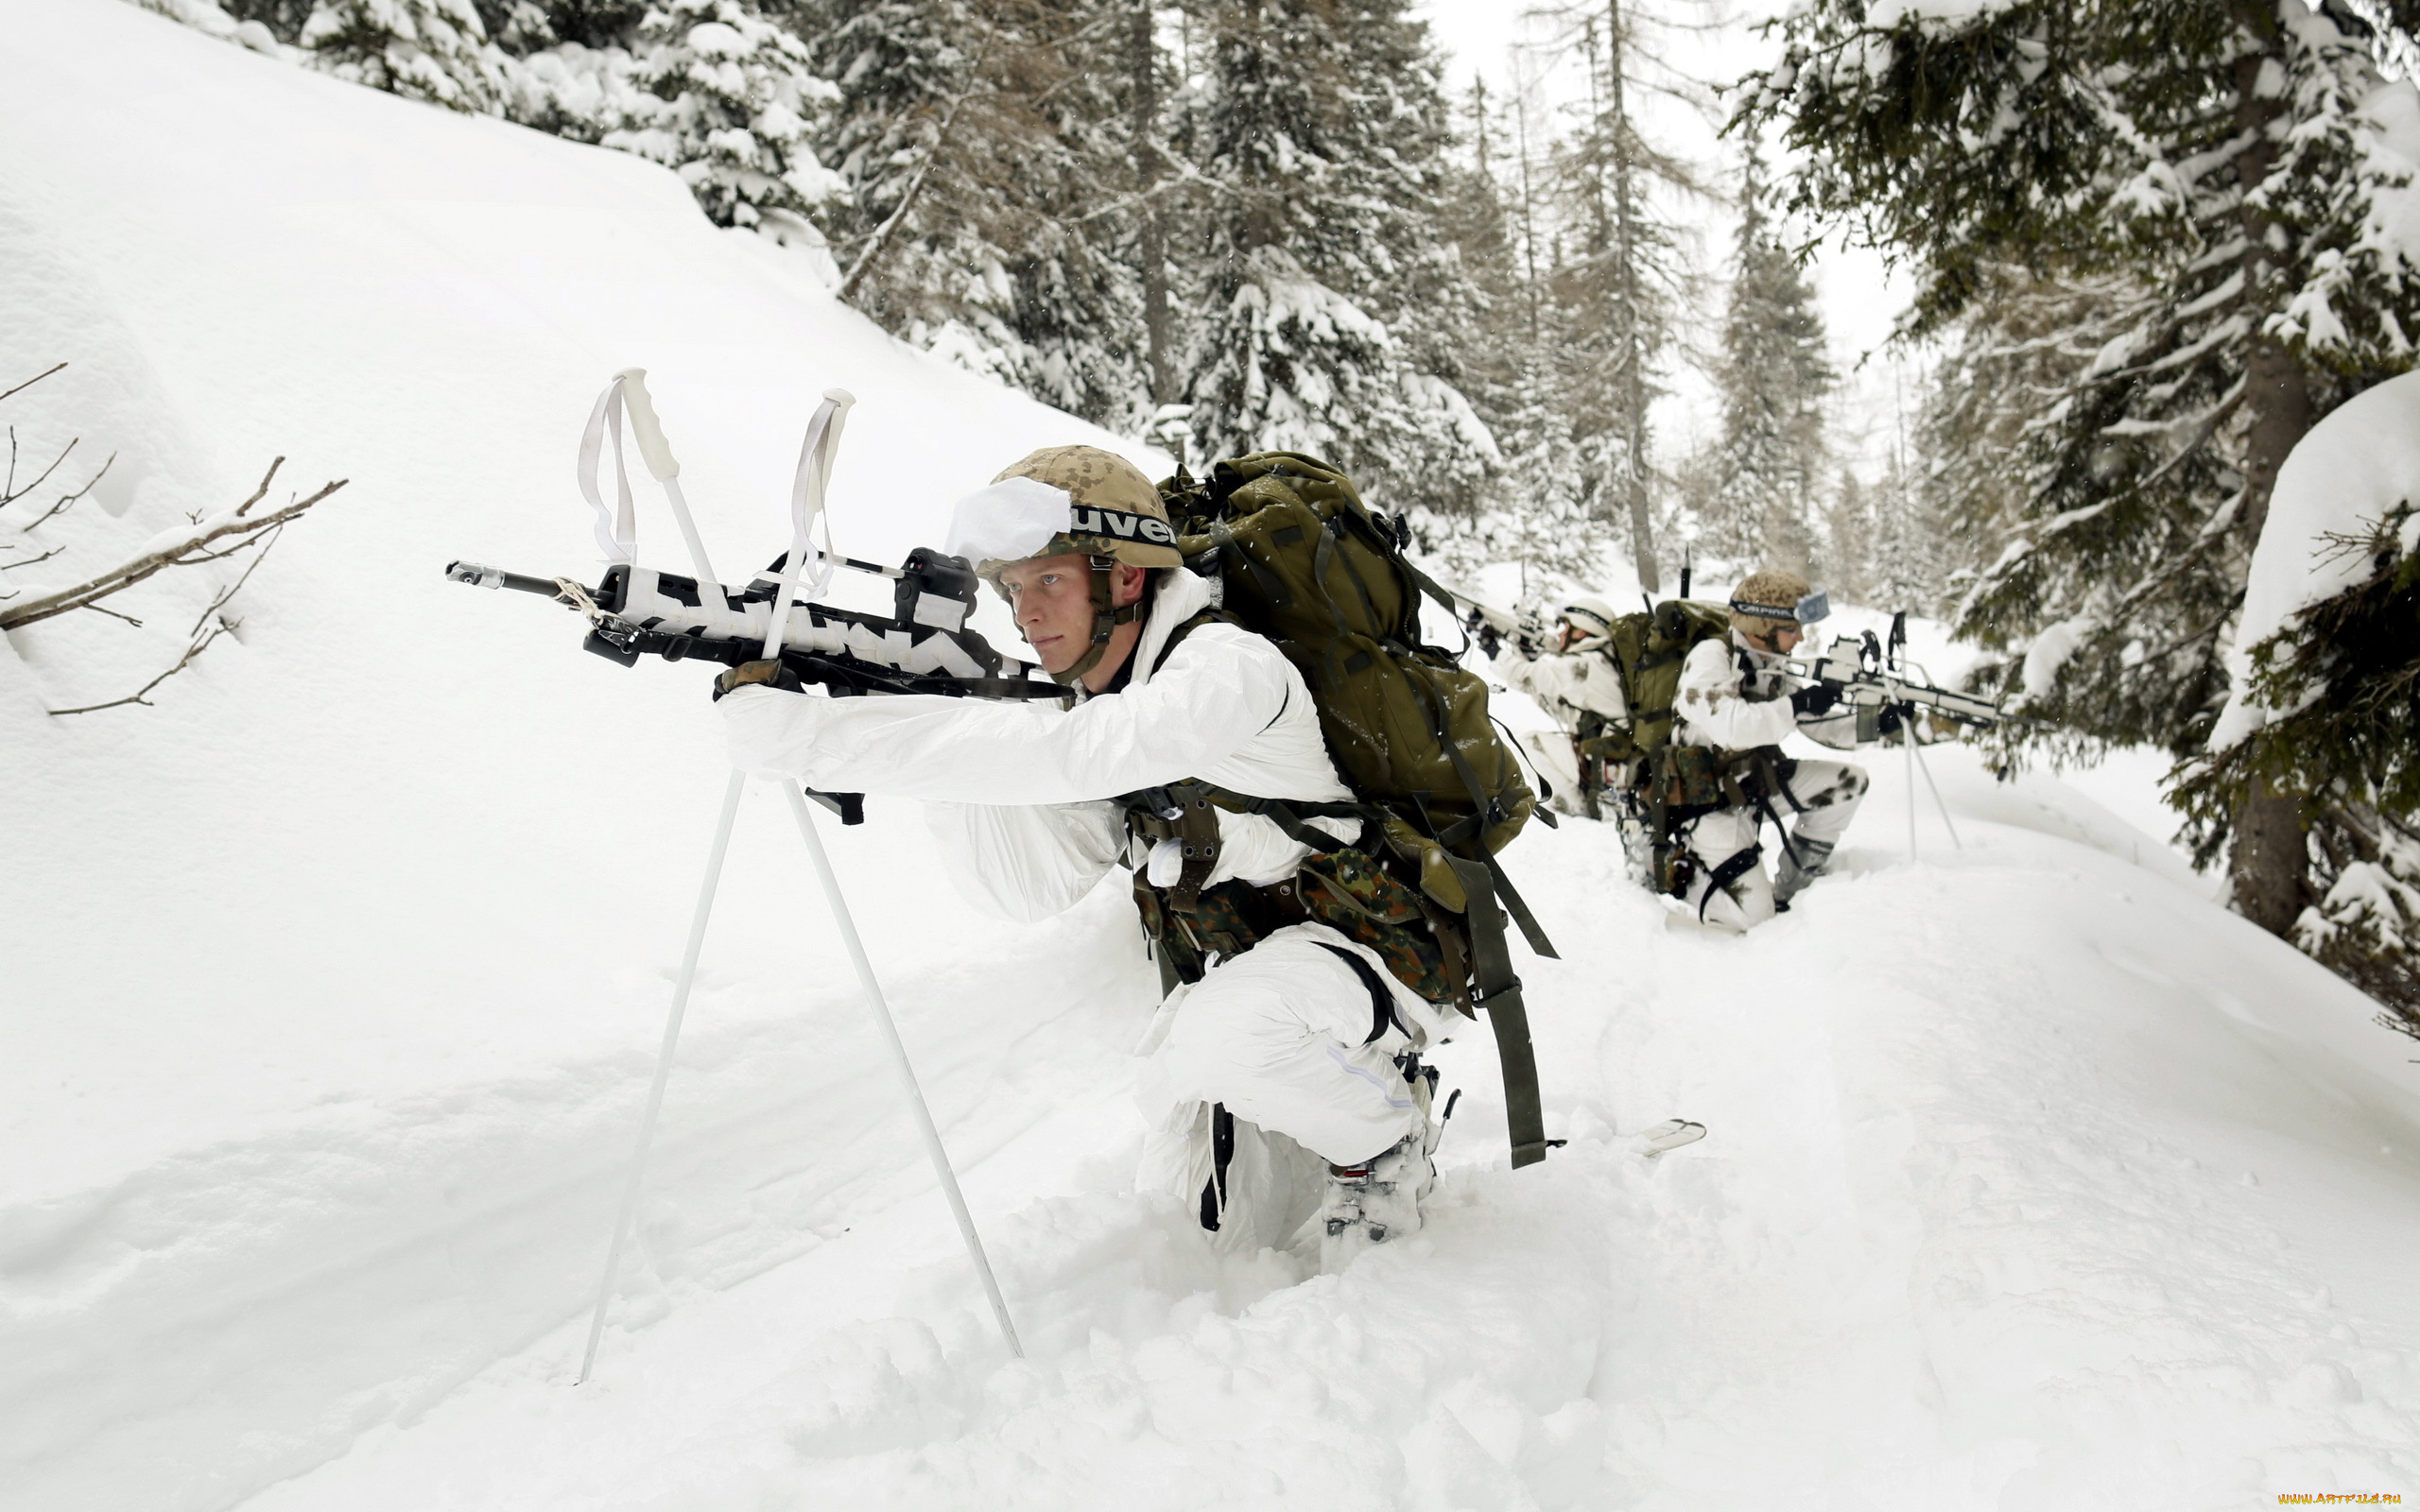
1775,598
1064,501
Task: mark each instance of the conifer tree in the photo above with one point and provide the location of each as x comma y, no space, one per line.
2225,156
1621,287
432,50
1774,376
1333,306
991,211
728,104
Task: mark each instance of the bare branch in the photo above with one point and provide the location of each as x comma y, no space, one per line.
185,551
66,500
30,382
15,493
199,647
265,543
116,615
12,566
257,494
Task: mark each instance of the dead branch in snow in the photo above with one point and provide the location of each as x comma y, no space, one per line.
30,382
199,645
189,548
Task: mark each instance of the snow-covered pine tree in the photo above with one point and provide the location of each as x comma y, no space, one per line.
2338,688
1619,287
2229,158
1849,531
433,50
1494,354
1908,544
2010,359
1335,303
1776,377
730,94
991,211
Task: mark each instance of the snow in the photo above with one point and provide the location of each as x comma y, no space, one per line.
2351,470
2036,1181
1885,15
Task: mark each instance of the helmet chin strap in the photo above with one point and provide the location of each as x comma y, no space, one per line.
1107,617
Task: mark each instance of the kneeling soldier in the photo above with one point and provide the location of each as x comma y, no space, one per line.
1283,1059
1738,699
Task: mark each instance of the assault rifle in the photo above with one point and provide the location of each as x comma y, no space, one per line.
1886,689
928,647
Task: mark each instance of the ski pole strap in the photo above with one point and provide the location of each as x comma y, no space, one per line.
1499,991
616,528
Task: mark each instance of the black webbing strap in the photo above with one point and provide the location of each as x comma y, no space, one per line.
1733,866
1222,1154
1382,1002
1499,991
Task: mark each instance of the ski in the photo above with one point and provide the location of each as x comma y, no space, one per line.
1670,1135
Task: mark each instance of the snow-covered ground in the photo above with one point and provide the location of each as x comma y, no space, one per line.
329,987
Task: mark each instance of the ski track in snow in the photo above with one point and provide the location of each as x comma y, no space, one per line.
2033,1181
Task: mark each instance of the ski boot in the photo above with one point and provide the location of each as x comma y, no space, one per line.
1379,1200
1802,861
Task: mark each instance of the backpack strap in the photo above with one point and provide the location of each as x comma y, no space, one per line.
1497,988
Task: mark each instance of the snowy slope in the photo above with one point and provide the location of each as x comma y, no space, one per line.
330,985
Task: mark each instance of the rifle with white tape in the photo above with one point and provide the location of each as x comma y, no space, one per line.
927,646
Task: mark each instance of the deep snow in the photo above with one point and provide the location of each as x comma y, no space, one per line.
2340,482
330,985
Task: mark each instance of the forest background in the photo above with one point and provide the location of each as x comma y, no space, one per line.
2108,262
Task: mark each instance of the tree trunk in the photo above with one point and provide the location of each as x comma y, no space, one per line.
2269,865
1634,385
1146,61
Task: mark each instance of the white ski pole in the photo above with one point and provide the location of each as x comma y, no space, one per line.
806,502
1925,766
630,388
658,454
883,1021
1908,738
632,1182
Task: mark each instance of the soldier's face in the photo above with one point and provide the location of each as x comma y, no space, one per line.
1052,600
1786,638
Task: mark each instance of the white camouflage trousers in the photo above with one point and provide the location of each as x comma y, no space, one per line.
1280,1037
1817,801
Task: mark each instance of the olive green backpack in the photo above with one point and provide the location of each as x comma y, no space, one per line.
1301,559
1669,783
1648,648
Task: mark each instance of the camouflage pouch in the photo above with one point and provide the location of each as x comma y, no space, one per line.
1348,891
1226,920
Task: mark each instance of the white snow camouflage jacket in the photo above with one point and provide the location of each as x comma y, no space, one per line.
1567,684
1735,698
1019,791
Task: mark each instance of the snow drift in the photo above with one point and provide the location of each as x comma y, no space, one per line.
2340,483
329,986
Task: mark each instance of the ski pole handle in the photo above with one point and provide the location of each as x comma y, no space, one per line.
649,430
